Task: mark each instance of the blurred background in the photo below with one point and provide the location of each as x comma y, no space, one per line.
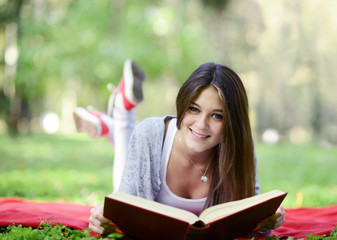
59,54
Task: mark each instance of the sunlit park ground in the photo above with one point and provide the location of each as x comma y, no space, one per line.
76,168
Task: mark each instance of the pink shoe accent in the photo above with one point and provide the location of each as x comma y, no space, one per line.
105,128
121,89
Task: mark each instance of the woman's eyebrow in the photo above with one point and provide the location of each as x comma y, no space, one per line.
215,110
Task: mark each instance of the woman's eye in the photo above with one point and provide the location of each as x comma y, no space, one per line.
193,109
218,116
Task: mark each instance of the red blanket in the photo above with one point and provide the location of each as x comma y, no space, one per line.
299,222
31,213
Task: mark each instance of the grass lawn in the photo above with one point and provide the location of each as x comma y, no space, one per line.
78,169
307,173
62,168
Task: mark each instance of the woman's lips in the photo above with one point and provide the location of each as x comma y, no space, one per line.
198,135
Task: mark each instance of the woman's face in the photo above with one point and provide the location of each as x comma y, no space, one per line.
202,124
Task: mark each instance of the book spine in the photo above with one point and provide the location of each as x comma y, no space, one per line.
197,233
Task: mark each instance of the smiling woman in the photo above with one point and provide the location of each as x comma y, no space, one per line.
202,157
201,130
233,163
202,123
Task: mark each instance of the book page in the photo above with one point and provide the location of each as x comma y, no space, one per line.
160,208
222,210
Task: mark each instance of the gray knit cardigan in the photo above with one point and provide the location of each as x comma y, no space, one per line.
142,166
141,172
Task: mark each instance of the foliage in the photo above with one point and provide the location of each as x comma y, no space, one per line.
58,231
281,49
49,231
103,35
332,236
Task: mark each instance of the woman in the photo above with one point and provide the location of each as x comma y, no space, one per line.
202,157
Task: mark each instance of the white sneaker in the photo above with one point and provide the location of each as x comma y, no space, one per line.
129,92
90,122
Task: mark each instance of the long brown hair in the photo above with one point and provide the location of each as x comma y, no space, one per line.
233,164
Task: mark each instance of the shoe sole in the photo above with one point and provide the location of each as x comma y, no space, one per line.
133,80
85,122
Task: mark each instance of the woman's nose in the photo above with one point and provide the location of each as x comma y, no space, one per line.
203,122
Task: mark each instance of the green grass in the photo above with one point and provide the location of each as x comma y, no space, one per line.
79,169
50,231
62,168
58,231
307,173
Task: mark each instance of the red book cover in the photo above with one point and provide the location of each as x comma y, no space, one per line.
140,223
139,218
244,221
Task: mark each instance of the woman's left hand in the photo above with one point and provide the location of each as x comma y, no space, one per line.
273,221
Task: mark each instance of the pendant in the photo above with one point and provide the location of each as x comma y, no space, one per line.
203,179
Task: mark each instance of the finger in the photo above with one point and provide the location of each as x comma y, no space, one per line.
103,219
279,212
95,225
96,228
279,221
94,221
280,217
97,213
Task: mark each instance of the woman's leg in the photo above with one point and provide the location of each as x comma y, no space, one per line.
124,123
128,95
118,124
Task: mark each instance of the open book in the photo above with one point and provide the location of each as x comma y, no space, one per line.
140,218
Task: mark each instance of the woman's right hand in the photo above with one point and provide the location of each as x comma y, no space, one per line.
98,223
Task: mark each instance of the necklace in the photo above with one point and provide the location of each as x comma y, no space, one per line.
203,175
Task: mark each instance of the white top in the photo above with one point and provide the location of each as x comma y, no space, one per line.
165,195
